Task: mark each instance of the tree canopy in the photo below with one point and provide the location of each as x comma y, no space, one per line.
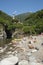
31,23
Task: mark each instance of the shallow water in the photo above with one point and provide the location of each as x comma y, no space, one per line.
4,41
3,46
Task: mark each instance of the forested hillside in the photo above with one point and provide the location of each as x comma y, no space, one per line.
35,20
5,18
22,16
32,23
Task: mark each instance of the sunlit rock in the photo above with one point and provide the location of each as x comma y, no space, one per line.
11,60
2,49
34,50
23,62
35,63
30,46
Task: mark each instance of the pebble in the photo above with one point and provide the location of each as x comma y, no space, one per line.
34,50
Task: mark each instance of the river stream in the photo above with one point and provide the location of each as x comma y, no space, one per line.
21,50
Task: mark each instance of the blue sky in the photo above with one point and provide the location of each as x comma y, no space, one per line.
20,6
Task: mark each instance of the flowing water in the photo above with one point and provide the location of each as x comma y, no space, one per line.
4,41
3,46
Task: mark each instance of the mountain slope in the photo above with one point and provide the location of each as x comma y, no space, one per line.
21,17
4,17
35,17
32,22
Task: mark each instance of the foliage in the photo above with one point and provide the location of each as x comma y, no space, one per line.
5,19
32,23
36,20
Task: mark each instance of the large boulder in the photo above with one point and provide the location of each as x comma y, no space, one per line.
11,60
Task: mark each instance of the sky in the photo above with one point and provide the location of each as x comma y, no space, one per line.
20,6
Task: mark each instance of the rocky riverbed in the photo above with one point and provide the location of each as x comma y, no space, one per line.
23,51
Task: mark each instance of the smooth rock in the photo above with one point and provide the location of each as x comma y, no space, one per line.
34,50
30,46
11,60
23,62
33,63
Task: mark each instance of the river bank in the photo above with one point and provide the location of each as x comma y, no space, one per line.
26,48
